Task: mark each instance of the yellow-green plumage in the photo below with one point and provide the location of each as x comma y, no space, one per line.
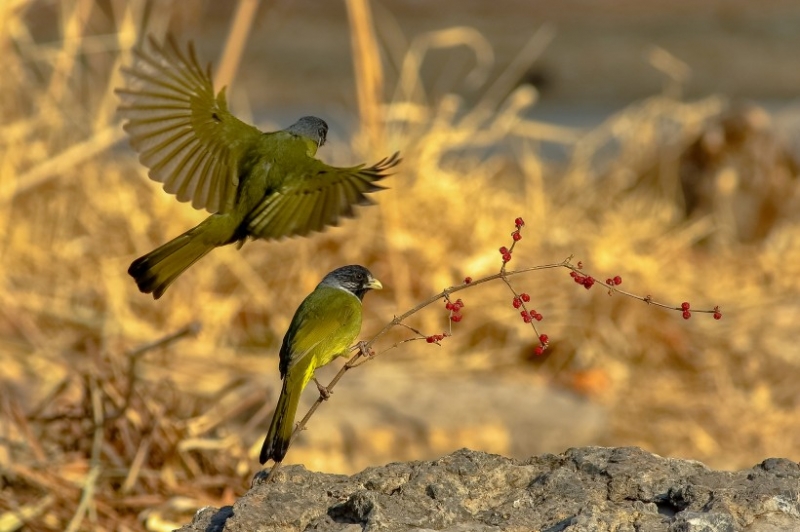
324,327
257,185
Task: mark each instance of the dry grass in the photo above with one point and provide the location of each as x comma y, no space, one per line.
96,434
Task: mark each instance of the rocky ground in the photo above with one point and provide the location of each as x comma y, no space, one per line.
583,489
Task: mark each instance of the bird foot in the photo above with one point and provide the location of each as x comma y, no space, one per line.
365,355
324,392
365,350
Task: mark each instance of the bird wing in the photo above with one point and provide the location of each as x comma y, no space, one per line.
324,327
311,199
183,133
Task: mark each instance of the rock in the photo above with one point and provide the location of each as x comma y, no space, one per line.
582,490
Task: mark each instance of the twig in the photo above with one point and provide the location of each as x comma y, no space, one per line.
192,329
189,330
89,484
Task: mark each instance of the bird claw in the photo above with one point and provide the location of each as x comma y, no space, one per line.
365,354
365,350
324,392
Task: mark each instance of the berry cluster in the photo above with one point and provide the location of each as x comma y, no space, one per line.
436,338
455,309
529,316
717,314
516,236
544,340
615,281
518,300
586,280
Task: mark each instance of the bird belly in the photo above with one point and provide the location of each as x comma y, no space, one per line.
320,355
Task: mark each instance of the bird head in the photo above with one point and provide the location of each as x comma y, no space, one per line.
312,128
354,278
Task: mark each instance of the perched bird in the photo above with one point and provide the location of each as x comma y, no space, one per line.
255,184
324,326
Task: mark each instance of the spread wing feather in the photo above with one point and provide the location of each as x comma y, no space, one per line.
317,198
184,133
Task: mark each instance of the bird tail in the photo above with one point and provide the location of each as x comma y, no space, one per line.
280,430
155,271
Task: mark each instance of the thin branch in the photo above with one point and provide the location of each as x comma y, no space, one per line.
192,329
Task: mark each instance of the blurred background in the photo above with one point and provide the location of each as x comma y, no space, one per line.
657,141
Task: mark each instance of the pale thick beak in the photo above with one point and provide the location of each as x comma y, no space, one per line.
374,284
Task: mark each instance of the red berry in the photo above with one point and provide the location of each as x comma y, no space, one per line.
519,222
687,314
467,280
516,302
456,317
610,281
516,236
506,257
449,306
538,317
718,315
685,305
525,297
617,280
538,350
459,305
544,338
579,278
503,250
588,282
430,339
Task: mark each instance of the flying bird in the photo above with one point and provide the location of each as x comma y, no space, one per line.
254,184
